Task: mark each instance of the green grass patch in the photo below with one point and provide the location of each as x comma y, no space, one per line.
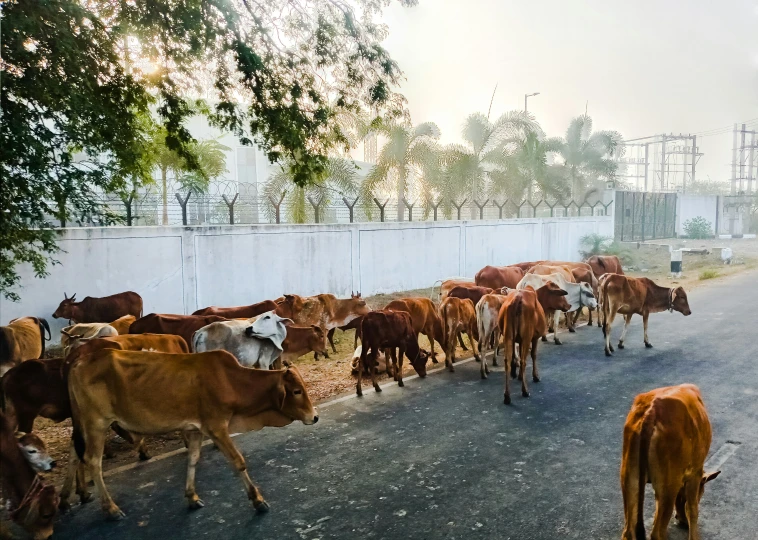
708,274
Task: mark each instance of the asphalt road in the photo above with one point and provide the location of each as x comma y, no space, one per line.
444,458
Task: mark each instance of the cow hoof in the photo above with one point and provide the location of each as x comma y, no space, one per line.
84,498
477,359
435,361
557,341
197,504
648,345
507,399
400,384
599,325
621,345
451,369
359,393
572,330
64,506
525,394
115,514
544,338
535,378
608,353
484,376
378,388
494,361
261,507
144,456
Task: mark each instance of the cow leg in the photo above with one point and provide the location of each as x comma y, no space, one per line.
362,365
535,371
607,324
429,333
551,324
330,337
194,441
220,436
474,344
523,353
93,456
664,507
556,321
483,368
627,322
74,473
516,348
589,316
399,364
508,358
374,354
599,309
644,327
496,341
570,321
460,341
391,359
692,494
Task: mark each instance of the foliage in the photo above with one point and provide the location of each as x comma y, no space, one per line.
708,274
707,187
77,83
698,228
597,244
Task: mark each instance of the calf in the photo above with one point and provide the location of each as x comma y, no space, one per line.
23,339
105,309
34,505
522,321
496,277
355,324
473,293
449,284
72,335
667,436
301,340
388,329
239,312
605,264
640,296
381,363
457,316
35,451
424,318
210,394
178,325
487,311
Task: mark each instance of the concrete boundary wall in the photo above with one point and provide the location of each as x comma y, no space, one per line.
181,269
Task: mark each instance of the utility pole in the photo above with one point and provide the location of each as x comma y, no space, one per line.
527,96
694,161
647,162
663,160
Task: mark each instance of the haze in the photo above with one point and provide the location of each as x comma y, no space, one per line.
644,67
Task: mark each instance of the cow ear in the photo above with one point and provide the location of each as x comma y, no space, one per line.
708,476
281,392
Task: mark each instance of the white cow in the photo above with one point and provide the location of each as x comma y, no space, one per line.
78,334
578,295
255,342
487,312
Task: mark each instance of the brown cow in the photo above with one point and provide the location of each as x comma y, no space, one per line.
210,394
547,269
387,329
239,312
487,311
667,436
474,293
522,321
457,316
447,285
424,318
355,324
73,334
496,277
178,325
23,339
637,296
105,309
301,340
605,264
34,505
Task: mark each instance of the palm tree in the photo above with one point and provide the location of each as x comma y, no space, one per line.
487,156
409,151
341,180
589,157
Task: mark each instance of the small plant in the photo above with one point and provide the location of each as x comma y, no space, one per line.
708,274
698,228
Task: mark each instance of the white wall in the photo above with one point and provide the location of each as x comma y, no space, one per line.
692,206
180,269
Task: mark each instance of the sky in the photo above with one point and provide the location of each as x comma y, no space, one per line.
641,68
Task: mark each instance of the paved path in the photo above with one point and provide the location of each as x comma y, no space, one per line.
444,458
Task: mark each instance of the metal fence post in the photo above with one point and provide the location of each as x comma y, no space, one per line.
381,208
500,207
350,206
128,204
230,205
644,215
534,207
434,207
316,208
183,204
409,206
481,207
458,207
277,205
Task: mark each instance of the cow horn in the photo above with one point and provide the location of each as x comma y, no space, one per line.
65,296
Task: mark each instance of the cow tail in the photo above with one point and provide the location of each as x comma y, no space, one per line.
514,316
42,327
646,433
606,305
77,436
3,405
445,337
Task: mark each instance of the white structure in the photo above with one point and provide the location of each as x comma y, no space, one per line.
181,269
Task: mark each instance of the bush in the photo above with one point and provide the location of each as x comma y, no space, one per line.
698,228
708,274
597,244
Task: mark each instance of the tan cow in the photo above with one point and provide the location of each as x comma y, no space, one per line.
301,340
640,296
23,339
548,269
457,315
76,334
487,311
324,310
667,436
209,394
447,285
424,318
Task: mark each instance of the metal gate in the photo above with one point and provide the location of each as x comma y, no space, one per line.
644,216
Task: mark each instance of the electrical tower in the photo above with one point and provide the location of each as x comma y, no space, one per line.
744,160
662,163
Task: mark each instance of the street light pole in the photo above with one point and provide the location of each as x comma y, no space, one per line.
527,96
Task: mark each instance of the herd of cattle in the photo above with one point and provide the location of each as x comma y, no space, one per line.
226,370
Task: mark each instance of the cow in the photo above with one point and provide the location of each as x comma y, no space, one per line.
522,321
548,269
389,329
667,436
178,325
447,285
496,277
355,324
210,394
605,264
239,312
35,451
301,340
72,335
424,318
23,339
578,295
637,296
381,363
473,293
487,311
105,309
457,316
34,504
255,342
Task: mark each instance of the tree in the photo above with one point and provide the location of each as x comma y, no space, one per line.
408,152
280,72
589,157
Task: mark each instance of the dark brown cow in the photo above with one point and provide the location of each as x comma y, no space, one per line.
34,505
605,264
105,309
496,277
301,340
424,318
474,293
522,321
178,325
387,329
239,312
23,339
447,285
637,296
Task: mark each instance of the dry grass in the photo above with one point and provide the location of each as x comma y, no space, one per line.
708,274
